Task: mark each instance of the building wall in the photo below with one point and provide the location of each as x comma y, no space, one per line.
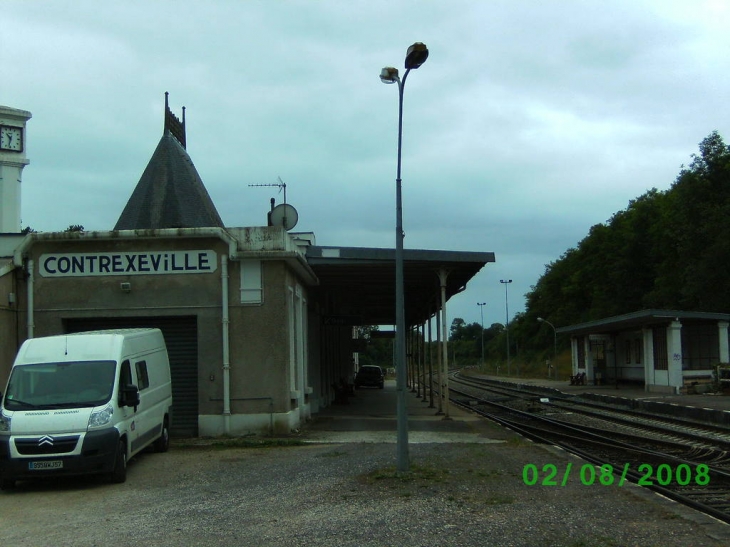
259,345
56,299
270,385
8,330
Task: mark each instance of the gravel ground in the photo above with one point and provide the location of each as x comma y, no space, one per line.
347,495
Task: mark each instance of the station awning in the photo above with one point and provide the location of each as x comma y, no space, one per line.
358,284
641,319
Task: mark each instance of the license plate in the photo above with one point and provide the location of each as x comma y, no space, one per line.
55,464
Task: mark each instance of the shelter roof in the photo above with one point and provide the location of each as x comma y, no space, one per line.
360,282
640,319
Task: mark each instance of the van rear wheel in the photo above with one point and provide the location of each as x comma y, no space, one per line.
163,443
119,473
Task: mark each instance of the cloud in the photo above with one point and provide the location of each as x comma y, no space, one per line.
530,121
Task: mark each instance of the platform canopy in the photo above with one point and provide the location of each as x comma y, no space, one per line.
641,319
357,285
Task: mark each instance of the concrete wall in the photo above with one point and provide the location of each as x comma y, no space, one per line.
263,394
8,323
259,347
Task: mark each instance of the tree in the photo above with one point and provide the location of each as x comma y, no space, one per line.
665,250
692,273
461,331
379,351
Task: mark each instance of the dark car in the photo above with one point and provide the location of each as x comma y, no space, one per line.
370,375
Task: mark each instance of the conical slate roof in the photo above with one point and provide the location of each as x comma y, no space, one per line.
170,193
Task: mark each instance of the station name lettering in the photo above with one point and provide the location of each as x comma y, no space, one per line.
133,263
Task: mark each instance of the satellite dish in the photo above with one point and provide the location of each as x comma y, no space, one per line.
284,215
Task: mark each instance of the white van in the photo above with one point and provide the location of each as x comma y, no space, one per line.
84,403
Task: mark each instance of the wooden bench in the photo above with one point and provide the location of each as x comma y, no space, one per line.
578,380
699,384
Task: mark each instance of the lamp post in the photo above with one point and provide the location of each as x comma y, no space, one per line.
506,282
481,312
555,339
415,57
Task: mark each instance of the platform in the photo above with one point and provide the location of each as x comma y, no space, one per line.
707,407
706,400
370,416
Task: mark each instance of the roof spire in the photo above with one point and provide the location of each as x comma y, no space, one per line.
173,123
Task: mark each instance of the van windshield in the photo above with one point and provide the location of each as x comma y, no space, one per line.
60,385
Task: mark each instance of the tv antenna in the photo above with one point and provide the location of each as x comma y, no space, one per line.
283,214
281,185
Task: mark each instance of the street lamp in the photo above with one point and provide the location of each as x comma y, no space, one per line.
415,57
506,282
481,311
555,338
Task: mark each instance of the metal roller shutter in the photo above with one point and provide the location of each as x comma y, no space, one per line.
181,338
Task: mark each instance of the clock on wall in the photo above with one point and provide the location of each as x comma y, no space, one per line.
11,138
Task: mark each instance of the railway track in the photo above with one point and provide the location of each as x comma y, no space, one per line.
670,427
691,468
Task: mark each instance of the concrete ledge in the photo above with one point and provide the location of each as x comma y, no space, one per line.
389,437
698,414
705,415
669,390
247,424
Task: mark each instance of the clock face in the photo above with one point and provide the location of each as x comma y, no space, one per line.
11,138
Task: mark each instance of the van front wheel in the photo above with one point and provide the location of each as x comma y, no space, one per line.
119,473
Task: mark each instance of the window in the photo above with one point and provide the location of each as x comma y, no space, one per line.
581,344
598,350
627,345
143,381
700,347
638,350
125,374
251,282
125,379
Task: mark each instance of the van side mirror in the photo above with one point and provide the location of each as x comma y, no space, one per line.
130,396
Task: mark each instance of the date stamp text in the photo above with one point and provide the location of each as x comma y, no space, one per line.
606,475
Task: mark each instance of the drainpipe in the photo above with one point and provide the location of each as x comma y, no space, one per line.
31,323
226,349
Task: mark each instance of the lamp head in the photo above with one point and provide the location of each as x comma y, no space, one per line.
416,55
389,75
540,319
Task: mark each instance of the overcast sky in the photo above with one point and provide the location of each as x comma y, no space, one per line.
530,122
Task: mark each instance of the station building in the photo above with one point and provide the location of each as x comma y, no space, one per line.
258,320
665,350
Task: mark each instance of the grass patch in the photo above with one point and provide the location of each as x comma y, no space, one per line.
418,475
499,500
517,441
333,454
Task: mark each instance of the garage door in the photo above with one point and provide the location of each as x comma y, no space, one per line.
181,338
